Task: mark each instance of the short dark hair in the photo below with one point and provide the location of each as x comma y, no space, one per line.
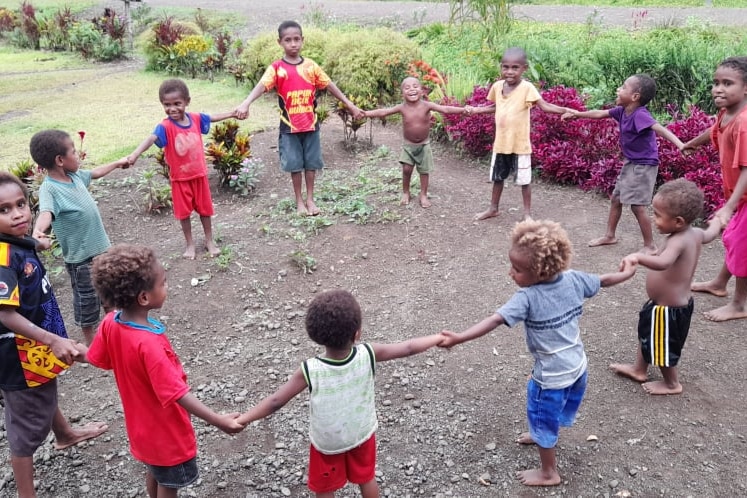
6,178
683,198
516,52
172,86
646,88
333,319
286,25
739,64
46,145
122,273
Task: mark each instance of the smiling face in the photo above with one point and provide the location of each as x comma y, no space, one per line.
729,89
292,42
175,105
412,90
15,213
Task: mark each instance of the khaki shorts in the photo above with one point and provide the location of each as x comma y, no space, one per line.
635,184
420,156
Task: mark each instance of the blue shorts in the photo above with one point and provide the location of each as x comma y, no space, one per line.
86,303
300,151
549,409
175,476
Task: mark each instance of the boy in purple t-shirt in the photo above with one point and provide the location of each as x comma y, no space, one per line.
638,130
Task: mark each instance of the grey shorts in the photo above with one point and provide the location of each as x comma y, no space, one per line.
175,476
86,303
300,151
635,184
28,417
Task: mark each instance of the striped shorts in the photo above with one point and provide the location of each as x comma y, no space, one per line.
662,331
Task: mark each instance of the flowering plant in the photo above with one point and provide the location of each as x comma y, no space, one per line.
81,153
244,181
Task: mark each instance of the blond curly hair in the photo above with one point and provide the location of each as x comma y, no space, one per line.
546,244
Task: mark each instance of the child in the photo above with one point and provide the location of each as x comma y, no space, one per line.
31,328
729,136
180,137
416,127
665,319
67,206
549,303
638,130
152,384
341,391
296,80
512,99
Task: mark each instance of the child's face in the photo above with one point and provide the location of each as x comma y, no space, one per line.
520,270
412,90
157,295
15,214
292,42
70,161
729,88
512,68
175,105
663,219
628,92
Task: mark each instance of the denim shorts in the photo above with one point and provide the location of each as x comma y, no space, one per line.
300,151
175,476
86,303
549,409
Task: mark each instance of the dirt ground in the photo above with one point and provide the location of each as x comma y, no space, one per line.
448,419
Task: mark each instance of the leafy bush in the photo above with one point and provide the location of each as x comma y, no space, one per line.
156,193
473,134
228,150
92,43
7,20
245,180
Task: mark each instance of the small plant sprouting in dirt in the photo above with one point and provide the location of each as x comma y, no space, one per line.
245,180
303,260
224,259
156,194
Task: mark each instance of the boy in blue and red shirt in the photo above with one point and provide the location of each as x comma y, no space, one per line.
296,81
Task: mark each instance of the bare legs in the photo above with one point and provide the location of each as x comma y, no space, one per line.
307,207
407,170
717,286
207,227
644,222
641,215
638,372
88,334
495,200
546,475
157,491
735,309
369,489
65,435
23,473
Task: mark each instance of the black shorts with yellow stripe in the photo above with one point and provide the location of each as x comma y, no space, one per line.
662,331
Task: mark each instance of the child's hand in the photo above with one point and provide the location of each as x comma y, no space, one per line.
82,355
64,349
570,114
123,163
43,242
131,160
242,111
629,263
229,423
449,340
469,110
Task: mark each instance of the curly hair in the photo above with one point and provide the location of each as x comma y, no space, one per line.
646,87
173,86
739,64
6,178
122,273
682,198
546,244
46,145
333,319
287,25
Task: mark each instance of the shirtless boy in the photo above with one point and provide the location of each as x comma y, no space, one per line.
416,127
665,319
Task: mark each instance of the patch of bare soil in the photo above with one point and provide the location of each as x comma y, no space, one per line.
448,419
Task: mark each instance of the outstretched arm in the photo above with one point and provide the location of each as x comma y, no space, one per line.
665,133
552,108
227,422
727,211
446,109
123,163
468,109
221,116
593,114
713,231
242,111
41,227
144,145
382,113
275,401
698,141
337,93
475,331
413,346
627,270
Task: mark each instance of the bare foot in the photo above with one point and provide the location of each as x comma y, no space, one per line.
212,249
603,241
527,216
301,209
424,202
629,371
88,431
405,200
727,312
708,287
525,438
313,210
489,213
660,387
189,252
536,477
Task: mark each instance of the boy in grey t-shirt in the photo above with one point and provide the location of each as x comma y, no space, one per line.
549,303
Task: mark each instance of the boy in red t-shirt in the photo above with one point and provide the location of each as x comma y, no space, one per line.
180,137
296,81
151,381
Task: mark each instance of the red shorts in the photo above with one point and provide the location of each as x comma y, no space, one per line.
328,473
192,195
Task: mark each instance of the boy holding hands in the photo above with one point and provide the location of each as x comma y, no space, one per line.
665,319
416,127
296,80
